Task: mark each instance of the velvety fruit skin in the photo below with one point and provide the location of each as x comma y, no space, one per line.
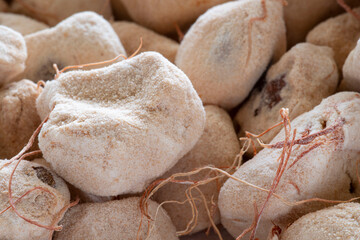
218,146
325,168
122,125
224,57
118,219
13,54
21,23
303,76
39,206
338,222
18,116
84,37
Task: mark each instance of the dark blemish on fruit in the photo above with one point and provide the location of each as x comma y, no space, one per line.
271,93
45,176
256,112
47,71
323,124
352,187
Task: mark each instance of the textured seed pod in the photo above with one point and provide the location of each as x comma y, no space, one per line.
222,58
322,167
162,16
351,71
130,34
18,116
302,16
82,38
54,11
76,193
39,206
340,33
299,81
218,146
116,220
339,222
125,124
21,24
12,54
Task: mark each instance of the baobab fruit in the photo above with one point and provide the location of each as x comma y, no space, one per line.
82,38
161,16
341,33
52,12
76,193
226,50
218,146
118,219
21,23
299,81
322,165
18,116
130,34
125,124
316,11
12,54
337,222
351,71
42,205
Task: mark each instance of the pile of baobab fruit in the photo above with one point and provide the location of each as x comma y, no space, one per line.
179,119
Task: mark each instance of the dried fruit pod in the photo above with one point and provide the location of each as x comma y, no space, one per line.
54,11
119,219
302,16
225,52
218,146
161,16
76,193
130,34
39,205
69,43
322,165
340,33
18,116
299,81
125,124
12,54
338,222
351,71
21,24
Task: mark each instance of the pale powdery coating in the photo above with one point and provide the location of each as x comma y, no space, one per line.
327,171
340,33
351,70
122,125
161,16
18,116
299,81
54,11
82,38
116,220
130,34
302,16
339,222
39,206
214,51
12,54
21,23
218,146
75,192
